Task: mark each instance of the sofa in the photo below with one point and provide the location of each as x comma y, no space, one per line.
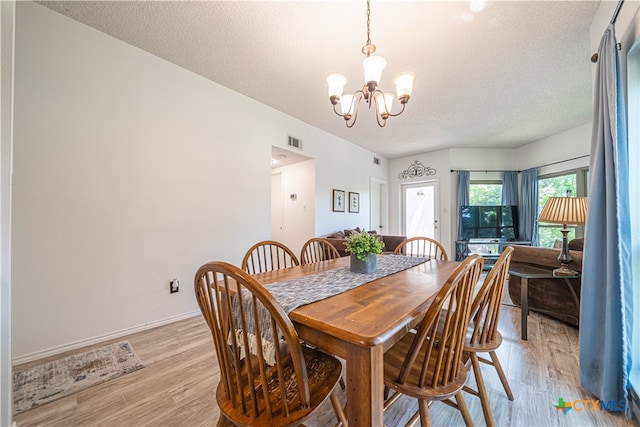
551,295
339,238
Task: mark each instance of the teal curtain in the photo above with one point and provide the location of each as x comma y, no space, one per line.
606,296
528,206
509,188
463,198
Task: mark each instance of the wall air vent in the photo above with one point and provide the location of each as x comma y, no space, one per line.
295,143
376,161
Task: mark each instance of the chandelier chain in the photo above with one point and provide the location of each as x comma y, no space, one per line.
368,23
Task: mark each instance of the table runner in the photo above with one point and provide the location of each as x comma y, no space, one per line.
294,293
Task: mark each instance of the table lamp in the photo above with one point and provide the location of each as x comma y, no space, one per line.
564,210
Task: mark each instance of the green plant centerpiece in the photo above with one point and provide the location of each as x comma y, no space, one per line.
363,248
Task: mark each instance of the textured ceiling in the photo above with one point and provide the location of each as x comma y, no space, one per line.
512,73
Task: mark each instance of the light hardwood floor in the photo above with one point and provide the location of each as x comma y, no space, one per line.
176,386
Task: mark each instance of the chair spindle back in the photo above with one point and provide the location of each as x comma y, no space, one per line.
317,249
268,255
422,247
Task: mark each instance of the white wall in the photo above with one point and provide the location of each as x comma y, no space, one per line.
350,170
130,171
485,160
574,143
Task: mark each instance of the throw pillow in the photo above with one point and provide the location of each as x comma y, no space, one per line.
349,232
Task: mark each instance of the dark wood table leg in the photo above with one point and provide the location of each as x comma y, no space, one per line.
365,372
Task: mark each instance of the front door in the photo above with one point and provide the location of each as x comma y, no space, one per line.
419,205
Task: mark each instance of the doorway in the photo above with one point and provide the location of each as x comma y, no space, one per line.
378,201
419,209
277,207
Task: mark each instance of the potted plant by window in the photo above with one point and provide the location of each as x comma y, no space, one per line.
363,248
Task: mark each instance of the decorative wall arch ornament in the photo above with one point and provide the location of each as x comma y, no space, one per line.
416,169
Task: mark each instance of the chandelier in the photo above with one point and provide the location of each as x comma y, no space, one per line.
372,95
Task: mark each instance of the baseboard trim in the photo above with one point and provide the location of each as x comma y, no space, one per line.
98,339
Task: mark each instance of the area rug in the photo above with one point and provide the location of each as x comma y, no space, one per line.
49,381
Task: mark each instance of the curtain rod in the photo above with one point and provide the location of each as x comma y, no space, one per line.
541,166
615,13
594,57
562,161
480,170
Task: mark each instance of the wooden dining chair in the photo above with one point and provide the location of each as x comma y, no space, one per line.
275,384
428,365
483,335
423,247
317,249
268,255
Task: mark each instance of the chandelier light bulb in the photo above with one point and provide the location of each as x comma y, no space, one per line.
384,103
373,66
346,104
336,86
404,85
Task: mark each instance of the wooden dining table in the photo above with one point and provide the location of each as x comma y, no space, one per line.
359,325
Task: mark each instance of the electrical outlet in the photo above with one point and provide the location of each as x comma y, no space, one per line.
174,286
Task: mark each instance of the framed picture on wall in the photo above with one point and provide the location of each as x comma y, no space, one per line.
338,200
354,202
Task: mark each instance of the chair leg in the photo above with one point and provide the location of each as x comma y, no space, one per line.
423,408
462,406
482,391
337,408
389,401
385,394
503,377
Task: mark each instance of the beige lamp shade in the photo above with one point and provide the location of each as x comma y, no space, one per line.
564,210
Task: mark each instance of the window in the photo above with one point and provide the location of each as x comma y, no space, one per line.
485,193
573,183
